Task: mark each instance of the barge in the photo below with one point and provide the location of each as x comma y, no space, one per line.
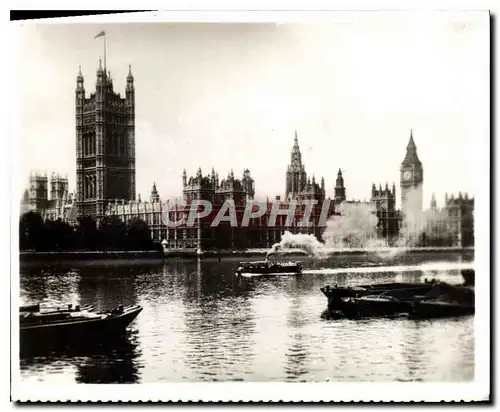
428,300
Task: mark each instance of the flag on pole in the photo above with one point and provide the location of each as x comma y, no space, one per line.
102,33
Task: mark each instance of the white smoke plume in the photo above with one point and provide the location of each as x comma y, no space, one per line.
356,228
435,224
305,242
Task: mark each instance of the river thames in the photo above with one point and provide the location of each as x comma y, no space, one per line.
202,323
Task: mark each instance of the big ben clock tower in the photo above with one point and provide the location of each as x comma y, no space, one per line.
412,179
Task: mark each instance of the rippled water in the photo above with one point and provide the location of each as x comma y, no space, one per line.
201,323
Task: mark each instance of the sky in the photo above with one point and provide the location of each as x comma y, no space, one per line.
230,96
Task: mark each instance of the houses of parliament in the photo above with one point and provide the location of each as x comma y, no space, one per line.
106,175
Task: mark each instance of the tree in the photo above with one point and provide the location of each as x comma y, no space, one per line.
87,234
112,233
63,235
139,235
31,231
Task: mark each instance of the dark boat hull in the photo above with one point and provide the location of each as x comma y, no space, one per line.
268,268
469,276
433,310
336,296
420,301
356,308
88,329
270,272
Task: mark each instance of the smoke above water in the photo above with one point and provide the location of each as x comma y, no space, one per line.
356,228
300,241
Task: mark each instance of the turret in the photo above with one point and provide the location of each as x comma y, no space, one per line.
130,79
433,202
184,178
109,80
100,74
79,91
79,79
130,94
155,197
340,180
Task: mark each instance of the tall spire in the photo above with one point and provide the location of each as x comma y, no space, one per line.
411,151
296,155
130,80
340,180
79,78
100,71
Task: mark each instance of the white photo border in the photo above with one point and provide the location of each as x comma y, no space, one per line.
479,389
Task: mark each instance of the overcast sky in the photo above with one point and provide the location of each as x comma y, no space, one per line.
231,96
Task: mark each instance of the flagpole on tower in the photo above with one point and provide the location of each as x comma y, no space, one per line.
105,54
103,34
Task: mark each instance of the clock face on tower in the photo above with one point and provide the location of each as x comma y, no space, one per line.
407,175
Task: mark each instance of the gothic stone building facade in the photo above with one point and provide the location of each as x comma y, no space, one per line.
59,203
105,144
454,220
149,211
259,233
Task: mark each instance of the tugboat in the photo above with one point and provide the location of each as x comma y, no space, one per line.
265,267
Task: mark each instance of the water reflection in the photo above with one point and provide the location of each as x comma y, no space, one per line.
113,360
200,322
219,324
412,350
297,353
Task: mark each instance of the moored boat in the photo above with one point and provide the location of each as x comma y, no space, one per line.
420,301
337,295
435,309
447,301
65,325
267,267
70,308
469,277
